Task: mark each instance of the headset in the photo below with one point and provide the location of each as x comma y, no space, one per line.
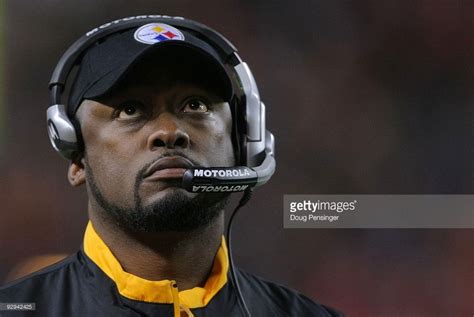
255,144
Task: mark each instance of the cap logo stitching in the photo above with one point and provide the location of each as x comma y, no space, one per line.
157,32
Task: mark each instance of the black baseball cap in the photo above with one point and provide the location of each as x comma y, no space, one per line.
105,64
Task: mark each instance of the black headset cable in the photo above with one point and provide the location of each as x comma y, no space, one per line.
245,198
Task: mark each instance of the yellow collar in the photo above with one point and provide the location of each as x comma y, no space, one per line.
164,291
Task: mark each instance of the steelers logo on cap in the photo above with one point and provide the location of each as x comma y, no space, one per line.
157,32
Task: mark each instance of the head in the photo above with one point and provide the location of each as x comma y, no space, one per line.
152,98
169,108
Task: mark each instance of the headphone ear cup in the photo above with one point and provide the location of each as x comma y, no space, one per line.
61,131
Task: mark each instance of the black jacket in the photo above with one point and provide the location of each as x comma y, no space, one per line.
80,286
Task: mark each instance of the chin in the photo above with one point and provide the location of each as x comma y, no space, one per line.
173,209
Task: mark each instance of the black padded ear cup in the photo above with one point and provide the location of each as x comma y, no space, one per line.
80,141
236,130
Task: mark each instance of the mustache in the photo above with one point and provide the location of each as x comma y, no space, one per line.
140,175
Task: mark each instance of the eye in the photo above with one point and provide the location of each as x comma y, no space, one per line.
195,105
130,110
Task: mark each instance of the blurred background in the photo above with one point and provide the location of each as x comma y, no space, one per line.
364,97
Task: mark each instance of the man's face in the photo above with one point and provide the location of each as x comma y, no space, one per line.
145,123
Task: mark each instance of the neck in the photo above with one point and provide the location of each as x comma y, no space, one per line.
185,257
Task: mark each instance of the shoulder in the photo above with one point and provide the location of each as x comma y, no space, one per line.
280,300
31,285
61,289
32,264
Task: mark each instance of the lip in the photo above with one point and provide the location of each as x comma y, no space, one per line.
170,167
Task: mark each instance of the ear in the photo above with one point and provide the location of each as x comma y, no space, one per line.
76,172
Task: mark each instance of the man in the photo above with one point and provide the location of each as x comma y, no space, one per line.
150,104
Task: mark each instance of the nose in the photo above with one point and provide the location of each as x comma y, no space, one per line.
167,133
